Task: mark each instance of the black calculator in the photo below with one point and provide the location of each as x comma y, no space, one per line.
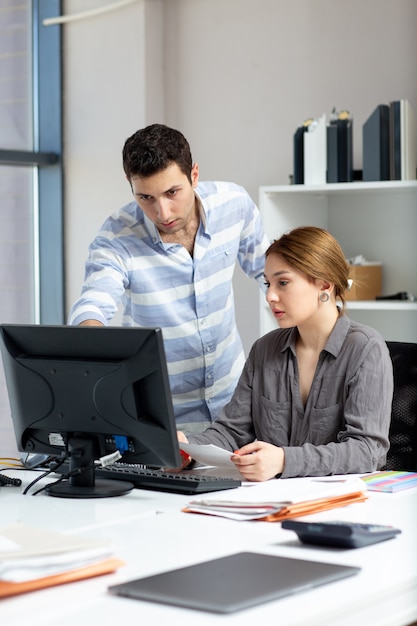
340,534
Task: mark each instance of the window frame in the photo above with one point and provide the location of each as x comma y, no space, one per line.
46,161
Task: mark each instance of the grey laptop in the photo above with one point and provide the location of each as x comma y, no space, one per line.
234,582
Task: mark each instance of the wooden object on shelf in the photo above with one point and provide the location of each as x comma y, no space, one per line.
367,281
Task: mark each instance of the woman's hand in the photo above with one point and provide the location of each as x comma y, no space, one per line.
259,461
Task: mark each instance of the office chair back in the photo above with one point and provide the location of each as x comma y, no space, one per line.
402,454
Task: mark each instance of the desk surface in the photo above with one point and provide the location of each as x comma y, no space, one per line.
151,534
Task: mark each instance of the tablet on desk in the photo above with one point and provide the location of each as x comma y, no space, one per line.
234,582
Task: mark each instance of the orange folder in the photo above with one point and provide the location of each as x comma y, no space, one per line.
298,509
107,566
314,506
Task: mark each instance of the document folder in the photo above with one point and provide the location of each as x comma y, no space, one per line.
403,143
339,151
298,148
108,566
376,145
315,153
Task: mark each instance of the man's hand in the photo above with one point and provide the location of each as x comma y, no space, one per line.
259,461
181,436
185,458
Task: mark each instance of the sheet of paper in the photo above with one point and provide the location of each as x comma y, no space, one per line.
28,553
208,454
285,491
21,541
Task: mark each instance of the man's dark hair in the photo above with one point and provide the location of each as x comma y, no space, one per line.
153,149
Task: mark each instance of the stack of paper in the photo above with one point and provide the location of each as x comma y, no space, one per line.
32,558
279,499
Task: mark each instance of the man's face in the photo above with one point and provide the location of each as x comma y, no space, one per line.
167,198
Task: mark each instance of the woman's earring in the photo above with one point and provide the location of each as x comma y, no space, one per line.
324,296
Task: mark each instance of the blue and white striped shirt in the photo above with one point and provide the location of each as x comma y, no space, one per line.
190,298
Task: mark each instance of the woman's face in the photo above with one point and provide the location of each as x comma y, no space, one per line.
292,296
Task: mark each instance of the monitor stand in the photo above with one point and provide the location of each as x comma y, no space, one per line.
82,482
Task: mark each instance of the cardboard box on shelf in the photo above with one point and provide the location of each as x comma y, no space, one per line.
367,281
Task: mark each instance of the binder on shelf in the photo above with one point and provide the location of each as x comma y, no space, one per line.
408,142
395,139
403,143
339,149
376,145
332,173
315,153
345,152
298,147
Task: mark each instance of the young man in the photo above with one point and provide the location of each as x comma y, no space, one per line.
169,257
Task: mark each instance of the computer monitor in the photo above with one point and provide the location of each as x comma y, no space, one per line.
85,392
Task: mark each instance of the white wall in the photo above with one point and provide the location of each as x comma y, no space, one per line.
236,77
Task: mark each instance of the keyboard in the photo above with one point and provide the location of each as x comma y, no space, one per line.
186,482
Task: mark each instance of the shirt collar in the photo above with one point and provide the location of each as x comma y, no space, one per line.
154,232
201,209
334,343
338,335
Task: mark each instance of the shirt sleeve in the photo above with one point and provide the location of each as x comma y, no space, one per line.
104,284
253,242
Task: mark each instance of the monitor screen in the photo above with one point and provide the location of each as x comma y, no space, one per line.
86,392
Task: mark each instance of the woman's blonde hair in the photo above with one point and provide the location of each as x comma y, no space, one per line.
316,253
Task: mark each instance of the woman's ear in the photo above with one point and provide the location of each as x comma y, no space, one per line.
326,286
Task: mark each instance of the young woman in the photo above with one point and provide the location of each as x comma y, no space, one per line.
314,397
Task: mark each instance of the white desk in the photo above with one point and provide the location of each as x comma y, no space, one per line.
151,534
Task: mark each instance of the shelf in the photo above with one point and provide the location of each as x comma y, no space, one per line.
381,305
376,219
395,186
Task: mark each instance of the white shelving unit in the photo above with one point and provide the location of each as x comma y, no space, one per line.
378,220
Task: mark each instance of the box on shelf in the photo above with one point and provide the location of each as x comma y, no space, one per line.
367,281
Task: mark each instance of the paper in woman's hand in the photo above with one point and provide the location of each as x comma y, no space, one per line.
208,454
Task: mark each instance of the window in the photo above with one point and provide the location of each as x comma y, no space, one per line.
31,234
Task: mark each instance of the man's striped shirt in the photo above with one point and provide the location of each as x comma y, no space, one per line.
191,298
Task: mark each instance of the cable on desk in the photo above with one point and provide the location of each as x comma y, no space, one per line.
43,475
9,481
76,472
11,461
